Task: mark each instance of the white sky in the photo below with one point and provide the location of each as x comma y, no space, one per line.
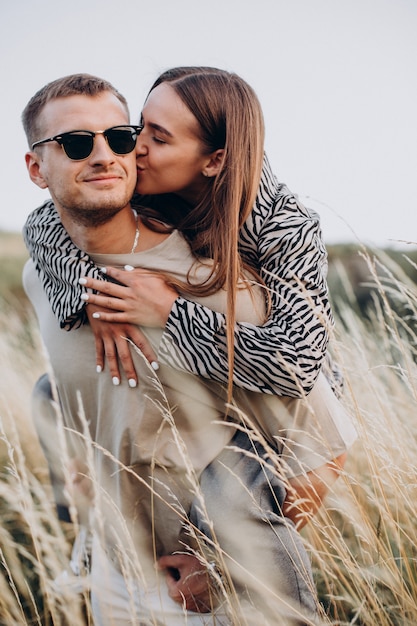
337,80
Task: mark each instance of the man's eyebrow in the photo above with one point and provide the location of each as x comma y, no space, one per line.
160,129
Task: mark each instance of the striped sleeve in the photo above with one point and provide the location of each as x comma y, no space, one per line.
59,264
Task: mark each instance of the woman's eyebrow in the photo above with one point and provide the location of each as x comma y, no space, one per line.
160,129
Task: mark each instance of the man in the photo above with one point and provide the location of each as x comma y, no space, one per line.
91,176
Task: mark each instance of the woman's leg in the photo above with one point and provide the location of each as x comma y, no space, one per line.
264,555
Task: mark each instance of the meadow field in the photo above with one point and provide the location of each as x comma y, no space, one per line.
363,542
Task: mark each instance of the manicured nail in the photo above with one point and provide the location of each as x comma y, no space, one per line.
115,381
155,365
103,270
132,382
82,281
85,296
96,316
99,369
129,268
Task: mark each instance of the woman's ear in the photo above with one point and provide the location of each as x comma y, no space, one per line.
34,169
215,163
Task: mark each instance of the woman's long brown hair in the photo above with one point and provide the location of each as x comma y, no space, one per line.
230,117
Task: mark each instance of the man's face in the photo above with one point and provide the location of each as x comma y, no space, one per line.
91,191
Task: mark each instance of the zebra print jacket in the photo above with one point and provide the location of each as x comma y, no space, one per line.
281,239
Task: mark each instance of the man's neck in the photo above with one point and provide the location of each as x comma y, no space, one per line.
115,236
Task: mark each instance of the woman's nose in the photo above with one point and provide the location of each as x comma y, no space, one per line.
141,147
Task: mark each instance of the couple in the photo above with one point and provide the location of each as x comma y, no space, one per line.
176,476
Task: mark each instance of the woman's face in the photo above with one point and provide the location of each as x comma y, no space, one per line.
170,155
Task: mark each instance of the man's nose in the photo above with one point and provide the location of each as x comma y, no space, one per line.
102,153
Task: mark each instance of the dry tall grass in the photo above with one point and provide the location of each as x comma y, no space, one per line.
33,545
363,543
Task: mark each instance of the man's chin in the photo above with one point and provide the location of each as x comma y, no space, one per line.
96,214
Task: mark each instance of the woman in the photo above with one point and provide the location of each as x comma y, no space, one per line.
292,264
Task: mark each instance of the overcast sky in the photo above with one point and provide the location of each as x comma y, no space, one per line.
337,80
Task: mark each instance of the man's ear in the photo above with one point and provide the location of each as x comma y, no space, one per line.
214,165
34,169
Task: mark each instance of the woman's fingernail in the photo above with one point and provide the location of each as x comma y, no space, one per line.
85,296
129,268
103,270
155,365
96,316
132,382
99,369
82,281
115,380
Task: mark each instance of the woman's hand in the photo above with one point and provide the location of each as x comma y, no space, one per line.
306,492
143,298
113,347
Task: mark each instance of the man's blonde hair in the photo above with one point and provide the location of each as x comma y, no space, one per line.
72,85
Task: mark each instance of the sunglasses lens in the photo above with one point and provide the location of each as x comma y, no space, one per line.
77,146
121,140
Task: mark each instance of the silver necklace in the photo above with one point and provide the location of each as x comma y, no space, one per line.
137,233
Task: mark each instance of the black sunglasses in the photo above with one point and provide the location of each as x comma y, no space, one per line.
78,144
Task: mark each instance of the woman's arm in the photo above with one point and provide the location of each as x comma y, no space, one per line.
59,264
282,357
